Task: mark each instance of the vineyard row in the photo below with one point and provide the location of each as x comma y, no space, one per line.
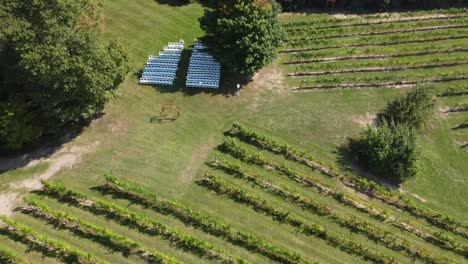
373,232
200,220
377,44
381,56
380,69
346,198
355,182
139,222
401,83
45,245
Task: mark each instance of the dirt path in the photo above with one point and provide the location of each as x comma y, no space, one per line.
197,159
63,158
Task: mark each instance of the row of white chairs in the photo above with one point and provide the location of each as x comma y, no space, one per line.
205,64
203,60
165,57
213,85
181,42
199,53
170,64
204,70
162,62
156,81
158,74
200,77
207,73
162,69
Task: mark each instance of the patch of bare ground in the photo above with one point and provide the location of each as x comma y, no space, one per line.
419,198
66,157
462,144
365,119
269,78
443,111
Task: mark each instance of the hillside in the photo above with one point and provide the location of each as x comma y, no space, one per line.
281,194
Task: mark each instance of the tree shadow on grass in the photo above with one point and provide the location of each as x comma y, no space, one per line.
180,3
349,163
45,147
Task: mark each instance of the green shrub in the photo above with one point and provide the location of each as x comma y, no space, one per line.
413,110
389,150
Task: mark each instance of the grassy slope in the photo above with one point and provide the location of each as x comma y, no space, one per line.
168,158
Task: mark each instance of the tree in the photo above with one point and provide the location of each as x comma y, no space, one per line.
54,69
390,151
414,110
243,34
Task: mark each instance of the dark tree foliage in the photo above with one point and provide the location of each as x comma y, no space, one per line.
390,151
243,34
54,69
413,110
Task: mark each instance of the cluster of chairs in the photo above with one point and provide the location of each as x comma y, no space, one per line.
162,69
204,71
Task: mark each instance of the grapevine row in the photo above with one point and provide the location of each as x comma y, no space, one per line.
455,91
47,246
438,239
382,56
395,62
140,222
377,44
375,29
358,183
463,125
366,228
460,107
323,44
381,69
9,257
378,33
401,83
200,220
98,234
328,22
223,188
372,51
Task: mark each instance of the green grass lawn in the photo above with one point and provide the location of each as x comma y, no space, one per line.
169,158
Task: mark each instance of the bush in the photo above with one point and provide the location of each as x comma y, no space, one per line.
243,35
389,150
413,110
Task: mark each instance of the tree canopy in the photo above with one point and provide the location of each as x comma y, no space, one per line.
391,151
243,34
414,110
54,69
